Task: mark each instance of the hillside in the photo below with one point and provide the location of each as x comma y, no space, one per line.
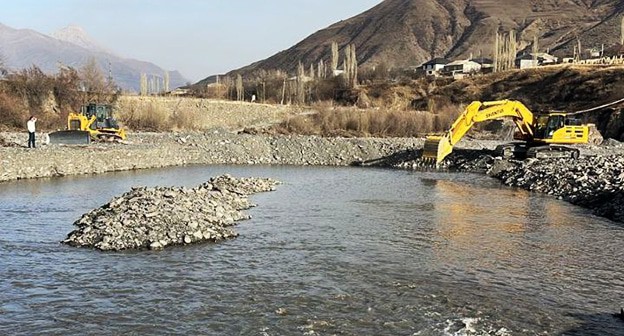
22,48
405,33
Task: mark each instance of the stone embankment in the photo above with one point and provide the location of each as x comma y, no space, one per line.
595,182
155,150
155,218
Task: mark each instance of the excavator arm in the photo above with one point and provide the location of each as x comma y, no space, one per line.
437,147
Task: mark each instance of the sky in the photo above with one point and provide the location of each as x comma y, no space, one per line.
197,37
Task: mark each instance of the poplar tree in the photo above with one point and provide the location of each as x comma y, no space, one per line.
334,57
240,89
535,49
300,89
622,31
143,85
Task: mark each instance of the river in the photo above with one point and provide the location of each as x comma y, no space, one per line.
343,251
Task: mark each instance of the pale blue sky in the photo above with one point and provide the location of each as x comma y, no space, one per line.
197,37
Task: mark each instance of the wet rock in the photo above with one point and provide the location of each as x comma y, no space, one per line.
154,218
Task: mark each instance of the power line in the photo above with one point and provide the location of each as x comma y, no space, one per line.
597,107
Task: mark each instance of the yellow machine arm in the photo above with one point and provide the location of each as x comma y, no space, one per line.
438,147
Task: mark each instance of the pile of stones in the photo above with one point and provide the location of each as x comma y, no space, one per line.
154,218
595,182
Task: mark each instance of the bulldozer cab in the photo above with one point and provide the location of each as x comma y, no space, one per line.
103,116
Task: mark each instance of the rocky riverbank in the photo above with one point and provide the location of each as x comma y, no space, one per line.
155,150
595,182
155,218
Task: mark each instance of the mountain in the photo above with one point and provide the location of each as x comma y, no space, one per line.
22,48
402,33
78,36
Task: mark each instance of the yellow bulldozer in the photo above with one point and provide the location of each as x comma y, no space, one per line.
95,122
541,136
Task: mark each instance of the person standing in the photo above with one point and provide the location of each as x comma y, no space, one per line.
31,131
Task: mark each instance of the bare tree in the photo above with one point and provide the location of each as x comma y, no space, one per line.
496,52
535,49
622,31
322,72
300,89
334,57
350,66
505,51
353,68
143,85
95,86
166,81
240,89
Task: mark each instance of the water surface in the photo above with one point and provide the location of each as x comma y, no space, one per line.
333,250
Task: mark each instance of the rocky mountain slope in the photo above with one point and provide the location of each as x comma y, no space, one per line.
22,48
404,33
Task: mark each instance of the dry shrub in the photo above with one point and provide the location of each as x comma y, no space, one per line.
378,123
13,112
151,116
185,119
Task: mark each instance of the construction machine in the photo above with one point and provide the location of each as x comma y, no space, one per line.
94,122
541,136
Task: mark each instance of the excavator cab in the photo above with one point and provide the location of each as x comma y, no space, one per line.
559,128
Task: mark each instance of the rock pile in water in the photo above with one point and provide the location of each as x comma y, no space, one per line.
158,217
595,182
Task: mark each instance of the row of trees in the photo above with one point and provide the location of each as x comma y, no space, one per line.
314,82
52,97
154,84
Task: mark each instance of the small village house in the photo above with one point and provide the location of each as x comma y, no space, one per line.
461,68
530,60
433,67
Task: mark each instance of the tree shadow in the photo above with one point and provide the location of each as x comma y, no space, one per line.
601,324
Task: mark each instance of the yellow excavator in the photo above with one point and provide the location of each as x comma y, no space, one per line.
94,122
542,136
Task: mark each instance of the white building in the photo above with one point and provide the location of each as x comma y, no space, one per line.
433,67
461,68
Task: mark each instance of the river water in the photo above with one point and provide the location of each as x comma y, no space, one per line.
343,251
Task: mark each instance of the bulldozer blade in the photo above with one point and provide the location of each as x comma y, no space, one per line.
436,149
70,138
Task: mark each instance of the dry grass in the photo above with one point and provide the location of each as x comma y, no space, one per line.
150,117
370,122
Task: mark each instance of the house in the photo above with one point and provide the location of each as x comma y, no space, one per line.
485,62
433,67
531,60
526,61
461,68
487,65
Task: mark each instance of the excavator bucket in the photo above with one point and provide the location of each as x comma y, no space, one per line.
70,138
436,149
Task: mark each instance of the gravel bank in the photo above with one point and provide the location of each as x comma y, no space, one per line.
596,182
155,150
155,218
